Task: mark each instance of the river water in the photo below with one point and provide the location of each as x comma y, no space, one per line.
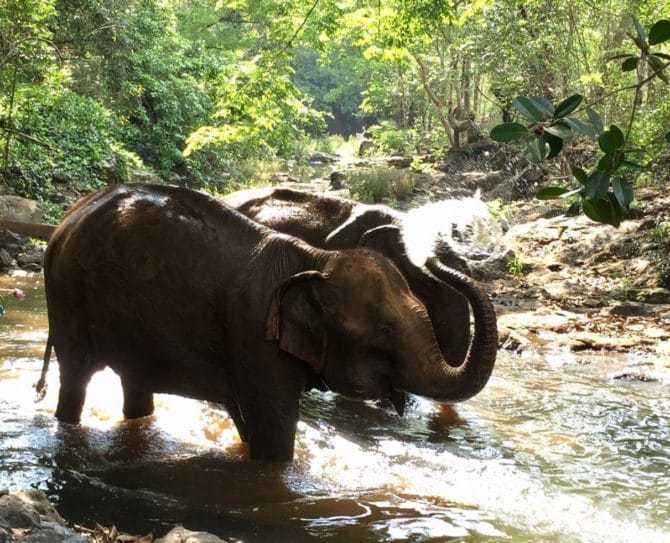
551,450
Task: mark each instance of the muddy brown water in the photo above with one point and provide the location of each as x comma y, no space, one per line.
551,450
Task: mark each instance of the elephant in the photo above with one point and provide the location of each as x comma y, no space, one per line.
181,294
337,223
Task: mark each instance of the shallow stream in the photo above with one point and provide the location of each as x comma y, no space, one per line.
551,450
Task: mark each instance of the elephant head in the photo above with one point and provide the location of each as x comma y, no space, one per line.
362,330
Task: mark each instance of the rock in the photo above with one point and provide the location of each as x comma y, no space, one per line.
34,255
317,157
5,260
652,295
631,309
15,208
182,535
29,517
141,176
337,180
365,146
400,161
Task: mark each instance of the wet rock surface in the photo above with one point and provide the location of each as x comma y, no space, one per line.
29,517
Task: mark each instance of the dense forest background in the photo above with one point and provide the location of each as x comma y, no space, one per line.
209,93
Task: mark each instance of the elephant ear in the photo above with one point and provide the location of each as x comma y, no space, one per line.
296,320
350,232
385,239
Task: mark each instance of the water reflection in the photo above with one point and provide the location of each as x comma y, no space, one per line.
547,452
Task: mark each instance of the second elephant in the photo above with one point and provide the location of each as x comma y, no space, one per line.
336,223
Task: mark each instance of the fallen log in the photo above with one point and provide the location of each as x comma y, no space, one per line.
35,230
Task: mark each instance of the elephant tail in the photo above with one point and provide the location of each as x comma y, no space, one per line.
41,385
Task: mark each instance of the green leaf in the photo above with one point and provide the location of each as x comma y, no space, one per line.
579,174
568,105
632,165
509,132
555,145
579,126
657,65
544,105
664,56
659,32
623,191
612,139
603,210
527,108
597,184
667,136
630,64
549,193
605,163
559,131
536,151
596,120
641,34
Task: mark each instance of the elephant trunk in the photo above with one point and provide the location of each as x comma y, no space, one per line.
434,377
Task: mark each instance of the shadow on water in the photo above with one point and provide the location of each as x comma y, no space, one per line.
544,453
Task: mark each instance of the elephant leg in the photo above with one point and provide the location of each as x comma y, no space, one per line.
74,379
235,414
137,401
271,428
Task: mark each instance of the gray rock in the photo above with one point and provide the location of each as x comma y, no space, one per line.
182,535
10,241
14,513
15,208
5,260
34,255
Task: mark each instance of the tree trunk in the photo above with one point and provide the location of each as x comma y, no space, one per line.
435,100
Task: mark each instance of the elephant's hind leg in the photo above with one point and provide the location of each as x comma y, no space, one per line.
137,402
74,379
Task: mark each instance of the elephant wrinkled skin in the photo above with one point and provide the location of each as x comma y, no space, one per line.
336,223
180,294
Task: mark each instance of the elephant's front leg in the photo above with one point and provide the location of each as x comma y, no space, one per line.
270,427
137,401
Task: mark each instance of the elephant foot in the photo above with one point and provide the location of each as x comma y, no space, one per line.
70,403
137,402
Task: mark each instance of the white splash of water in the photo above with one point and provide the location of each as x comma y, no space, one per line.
465,224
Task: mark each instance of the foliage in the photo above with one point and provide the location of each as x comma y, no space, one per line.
379,184
605,193
389,139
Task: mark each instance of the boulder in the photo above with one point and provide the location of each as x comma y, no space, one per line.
400,161
16,208
182,535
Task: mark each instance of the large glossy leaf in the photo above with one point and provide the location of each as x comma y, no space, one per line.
536,151
597,184
667,136
568,105
596,120
641,34
579,126
659,32
604,210
555,144
544,105
559,131
509,132
657,65
612,139
527,108
579,175
630,64
623,191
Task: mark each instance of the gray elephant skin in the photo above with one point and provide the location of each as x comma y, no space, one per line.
336,223
179,293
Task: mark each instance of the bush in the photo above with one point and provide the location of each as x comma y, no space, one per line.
388,138
376,185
